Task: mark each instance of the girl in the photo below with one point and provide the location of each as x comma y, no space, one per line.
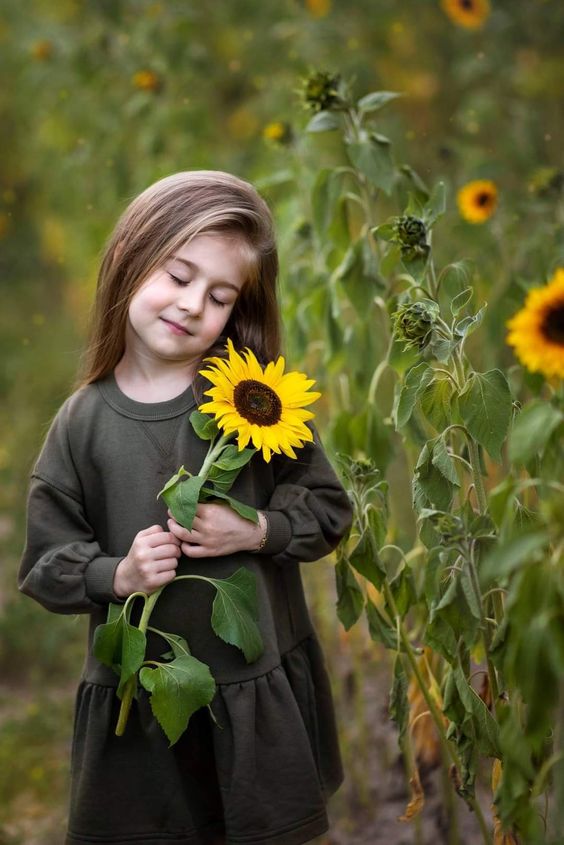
191,263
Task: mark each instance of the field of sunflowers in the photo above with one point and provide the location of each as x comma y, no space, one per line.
411,154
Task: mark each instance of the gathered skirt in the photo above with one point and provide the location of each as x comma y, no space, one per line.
260,776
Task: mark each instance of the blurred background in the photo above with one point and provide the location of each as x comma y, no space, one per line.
102,98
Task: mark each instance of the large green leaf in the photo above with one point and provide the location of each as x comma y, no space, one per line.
225,470
435,399
485,406
532,430
182,498
350,599
416,380
120,646
205,426
485,726
177,690
326,191
372,156
379,628
435,475
503,559
235,613
246,511
364,558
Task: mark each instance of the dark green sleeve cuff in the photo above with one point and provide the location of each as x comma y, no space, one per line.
279,532
100,579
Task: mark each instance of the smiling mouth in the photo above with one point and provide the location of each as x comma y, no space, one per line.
176,326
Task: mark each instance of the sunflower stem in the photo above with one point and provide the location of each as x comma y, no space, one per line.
213,452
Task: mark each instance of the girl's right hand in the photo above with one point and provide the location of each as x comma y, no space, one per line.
150,563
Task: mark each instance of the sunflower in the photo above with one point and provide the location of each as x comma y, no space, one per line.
264,406
477,200
537,331
468,13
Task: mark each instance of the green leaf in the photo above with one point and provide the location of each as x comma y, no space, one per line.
235,613
376,100
325,194
205,426
485,726
182,499
532,430
246,511
373,157
364,558
436,205
350,600
225,470
379,628
468,325
323,121
507,557
485,405
416,380
386,232
120,646
460,301
435,401
178,644
435,473
455,277
359,276
399,704
177,690
172,482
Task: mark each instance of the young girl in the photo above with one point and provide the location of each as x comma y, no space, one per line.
191,263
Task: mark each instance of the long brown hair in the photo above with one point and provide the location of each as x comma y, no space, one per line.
159,221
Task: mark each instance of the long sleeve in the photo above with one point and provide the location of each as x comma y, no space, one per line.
309,511
63,566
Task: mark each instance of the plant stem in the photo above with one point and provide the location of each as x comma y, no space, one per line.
436,715
484,626
213,452
131,683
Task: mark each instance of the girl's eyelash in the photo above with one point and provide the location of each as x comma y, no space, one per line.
182,282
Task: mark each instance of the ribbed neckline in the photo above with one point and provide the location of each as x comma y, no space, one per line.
128,407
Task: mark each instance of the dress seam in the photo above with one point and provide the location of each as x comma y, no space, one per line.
281,831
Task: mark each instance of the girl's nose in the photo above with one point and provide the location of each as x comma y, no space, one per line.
191,301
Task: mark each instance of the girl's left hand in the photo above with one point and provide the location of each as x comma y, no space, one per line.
218,530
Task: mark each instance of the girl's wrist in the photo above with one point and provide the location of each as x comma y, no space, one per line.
262,532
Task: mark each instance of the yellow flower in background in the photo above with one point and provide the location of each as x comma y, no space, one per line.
266,406
318,8
477,200
146,80
467,13
536,332
278,132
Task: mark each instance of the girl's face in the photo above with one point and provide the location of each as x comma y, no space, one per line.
182,308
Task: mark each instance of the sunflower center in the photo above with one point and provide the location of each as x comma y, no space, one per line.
553,325
257,402
467,4
483,199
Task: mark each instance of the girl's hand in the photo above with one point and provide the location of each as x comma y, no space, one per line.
150,563
218,530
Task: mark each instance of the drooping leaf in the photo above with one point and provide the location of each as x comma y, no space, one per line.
323,121
350,600
379,628
205,426
177,690
399,705
485,726
372,156
503,559
416,380
173,481
485,406
364,558
120,646
532,430
376,100
182,498
235,613
460,301
246,511
436,205
468,325
435,475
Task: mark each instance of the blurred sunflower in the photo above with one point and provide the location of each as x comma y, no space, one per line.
318,8
42,50
468,13
537,331
146,80
279,132
265,406
477,200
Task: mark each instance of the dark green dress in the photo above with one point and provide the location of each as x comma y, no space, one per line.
263,774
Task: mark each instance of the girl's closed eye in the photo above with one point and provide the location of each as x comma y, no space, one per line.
184,282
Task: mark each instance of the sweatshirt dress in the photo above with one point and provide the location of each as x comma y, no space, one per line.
261,772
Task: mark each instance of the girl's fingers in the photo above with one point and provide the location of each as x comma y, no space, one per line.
191,550
167,551
161,539
180,532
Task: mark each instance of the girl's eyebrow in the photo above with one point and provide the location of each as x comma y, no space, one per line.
192,266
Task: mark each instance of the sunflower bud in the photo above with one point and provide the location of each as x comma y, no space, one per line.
320,92
411,231
413,323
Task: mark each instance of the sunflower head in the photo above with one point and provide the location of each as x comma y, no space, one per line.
266,407
320,91
413,323
536,332
477,200
471,14
411,231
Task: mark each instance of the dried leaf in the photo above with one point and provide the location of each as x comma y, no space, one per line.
417,800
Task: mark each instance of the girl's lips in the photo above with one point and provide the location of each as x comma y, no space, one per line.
175,327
